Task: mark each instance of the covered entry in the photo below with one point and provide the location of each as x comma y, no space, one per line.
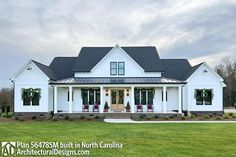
117,100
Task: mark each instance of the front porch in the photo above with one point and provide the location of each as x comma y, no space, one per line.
79,99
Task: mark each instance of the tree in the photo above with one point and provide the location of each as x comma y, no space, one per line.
227,70
6,100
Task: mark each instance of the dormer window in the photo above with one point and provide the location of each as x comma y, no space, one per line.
121,68
113,68
117,68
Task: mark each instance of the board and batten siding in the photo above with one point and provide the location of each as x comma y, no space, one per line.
207,80
33,78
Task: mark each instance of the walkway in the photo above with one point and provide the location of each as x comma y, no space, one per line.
161,122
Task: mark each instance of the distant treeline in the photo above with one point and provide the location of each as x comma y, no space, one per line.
227,70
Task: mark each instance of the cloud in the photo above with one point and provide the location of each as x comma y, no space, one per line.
197,30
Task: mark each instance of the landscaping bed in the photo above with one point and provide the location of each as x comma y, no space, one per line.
190,117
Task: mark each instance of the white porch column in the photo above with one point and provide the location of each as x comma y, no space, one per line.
132,106
164,99
101,99
70,99
55,99
180,99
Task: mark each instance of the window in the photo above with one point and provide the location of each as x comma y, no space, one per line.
26,99
121,68
31,96
208,99
91,97
97,96
85,96
137,96
35,99
203,96
143,97
199,99
162,96
150,97
68,96
113,68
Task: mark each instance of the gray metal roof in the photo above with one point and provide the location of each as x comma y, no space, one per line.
46,70
62,67
118,80
176,68
147,58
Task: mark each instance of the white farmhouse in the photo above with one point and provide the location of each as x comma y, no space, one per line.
108,80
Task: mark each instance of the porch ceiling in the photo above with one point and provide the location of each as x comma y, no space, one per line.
118,80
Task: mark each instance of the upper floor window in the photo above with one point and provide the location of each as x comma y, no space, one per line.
117,68
113,68
121,68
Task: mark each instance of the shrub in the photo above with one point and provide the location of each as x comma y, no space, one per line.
67,117
82,117
156,116
167,118
207,117
148,118
142,116
234,116
171,117
54,119
226,116
218,118
21,120
183,118
192,116
16,118
71,119
96,117
34,117
231,114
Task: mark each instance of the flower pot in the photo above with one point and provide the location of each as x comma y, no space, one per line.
127,110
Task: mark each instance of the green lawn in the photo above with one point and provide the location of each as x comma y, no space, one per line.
138,139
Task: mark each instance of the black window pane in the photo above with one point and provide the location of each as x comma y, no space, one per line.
143,97
199,99
35,99
208,99
85,96
26,99
91,96
98,97
150,97
137,96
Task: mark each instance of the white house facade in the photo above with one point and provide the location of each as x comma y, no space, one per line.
117,80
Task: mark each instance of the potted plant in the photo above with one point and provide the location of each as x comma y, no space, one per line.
106,107
127,107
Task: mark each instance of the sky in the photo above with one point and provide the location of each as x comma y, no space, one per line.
42,29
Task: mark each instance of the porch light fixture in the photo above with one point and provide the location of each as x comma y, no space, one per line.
204,70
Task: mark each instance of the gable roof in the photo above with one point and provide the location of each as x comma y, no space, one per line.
175,68
191,71
62,67
46,70
146,57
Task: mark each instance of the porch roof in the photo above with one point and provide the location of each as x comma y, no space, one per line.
118,80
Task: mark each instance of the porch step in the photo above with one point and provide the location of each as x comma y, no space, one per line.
117,116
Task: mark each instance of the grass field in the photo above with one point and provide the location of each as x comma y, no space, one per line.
138,139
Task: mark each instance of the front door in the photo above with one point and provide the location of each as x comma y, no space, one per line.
117,100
